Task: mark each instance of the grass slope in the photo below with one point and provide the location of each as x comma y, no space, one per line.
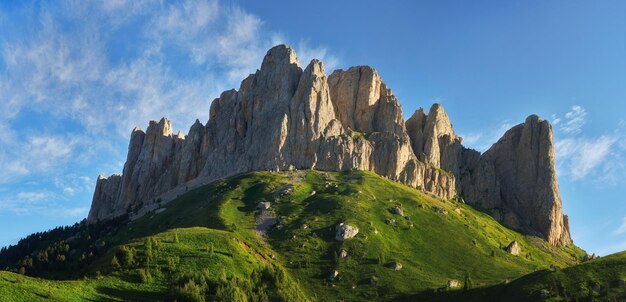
435,241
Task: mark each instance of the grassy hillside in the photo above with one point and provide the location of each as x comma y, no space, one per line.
602,279
207,243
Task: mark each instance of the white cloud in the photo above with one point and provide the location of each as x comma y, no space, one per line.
31,197
307,53
107,68
482,141
188,18
575,119
580,156
621,229
471,139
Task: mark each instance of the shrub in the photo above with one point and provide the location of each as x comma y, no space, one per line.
172,263
126,256
115,264
148,248
468,283
190,291
144,275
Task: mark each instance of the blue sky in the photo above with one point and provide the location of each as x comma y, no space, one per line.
77,76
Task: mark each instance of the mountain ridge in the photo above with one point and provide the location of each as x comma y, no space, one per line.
285,118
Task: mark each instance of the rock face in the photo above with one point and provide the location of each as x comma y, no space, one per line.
283,117
515,180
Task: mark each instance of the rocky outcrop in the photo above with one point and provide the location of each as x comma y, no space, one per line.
106,193
283,118
515,180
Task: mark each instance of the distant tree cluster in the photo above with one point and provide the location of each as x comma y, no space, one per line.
200,287
61,252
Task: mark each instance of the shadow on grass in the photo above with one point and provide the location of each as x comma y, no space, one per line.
128,294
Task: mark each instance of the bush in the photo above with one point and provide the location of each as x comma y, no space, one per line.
190,291
126,256
144,275
148,248
468,283
172,263
115,264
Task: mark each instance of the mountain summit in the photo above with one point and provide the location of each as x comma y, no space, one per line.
284,118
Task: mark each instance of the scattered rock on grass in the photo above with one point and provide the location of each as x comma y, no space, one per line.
454,283
398,211
265,205
396,266
345,232
514,248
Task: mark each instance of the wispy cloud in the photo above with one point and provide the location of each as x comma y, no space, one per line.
471,139
580,156
306,53
621,229
574,120
77,76
482,141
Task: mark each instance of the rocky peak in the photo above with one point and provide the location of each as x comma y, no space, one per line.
517,178
283,117
362,101
161,128
280,57
433,138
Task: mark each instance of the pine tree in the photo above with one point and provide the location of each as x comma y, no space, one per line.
468,281
115,263
148,246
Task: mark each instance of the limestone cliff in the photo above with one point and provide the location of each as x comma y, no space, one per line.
515,180
283,117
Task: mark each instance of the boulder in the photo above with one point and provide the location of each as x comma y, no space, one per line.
264,205
396,266
514,248
452,283
345,232
398,211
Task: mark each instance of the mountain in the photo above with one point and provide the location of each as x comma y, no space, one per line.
278,236
284,118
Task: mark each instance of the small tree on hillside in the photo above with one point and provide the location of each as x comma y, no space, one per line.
115,264
468,281
148,248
